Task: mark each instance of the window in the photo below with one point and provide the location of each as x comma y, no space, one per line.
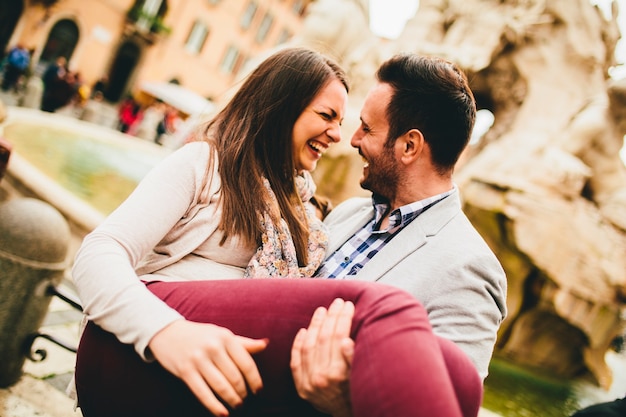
239,64
248,15
149,11
284,36
298,7
264,28
151,7
230,60
197,37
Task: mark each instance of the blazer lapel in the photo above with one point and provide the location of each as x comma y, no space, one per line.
343,231
411,238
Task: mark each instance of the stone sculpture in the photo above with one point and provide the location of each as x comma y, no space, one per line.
545,185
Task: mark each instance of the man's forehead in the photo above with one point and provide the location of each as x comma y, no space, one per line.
376,102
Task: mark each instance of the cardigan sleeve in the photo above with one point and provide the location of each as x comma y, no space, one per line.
110,290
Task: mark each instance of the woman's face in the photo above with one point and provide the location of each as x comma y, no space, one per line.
319,125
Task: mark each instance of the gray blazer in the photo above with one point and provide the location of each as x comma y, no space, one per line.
443,262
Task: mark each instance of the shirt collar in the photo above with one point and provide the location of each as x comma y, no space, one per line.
403,215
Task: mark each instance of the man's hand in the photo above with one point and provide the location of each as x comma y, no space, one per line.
211,360
321,357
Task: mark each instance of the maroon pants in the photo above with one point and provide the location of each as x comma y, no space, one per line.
400,367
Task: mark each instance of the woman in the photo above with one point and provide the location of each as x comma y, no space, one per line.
231,206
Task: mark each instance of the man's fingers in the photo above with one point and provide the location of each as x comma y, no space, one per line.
324,343
343,324
322,355
298,369
336,327
344,321
347,349
296,348
315,325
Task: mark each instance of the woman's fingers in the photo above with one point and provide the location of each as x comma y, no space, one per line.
241,356
222,375
211,360
198,386
230,368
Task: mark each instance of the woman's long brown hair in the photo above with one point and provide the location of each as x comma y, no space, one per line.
252,135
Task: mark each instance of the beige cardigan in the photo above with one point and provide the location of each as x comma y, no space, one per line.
165,230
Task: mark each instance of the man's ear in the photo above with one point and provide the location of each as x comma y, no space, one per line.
413,144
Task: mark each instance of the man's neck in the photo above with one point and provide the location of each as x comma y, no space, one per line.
420,191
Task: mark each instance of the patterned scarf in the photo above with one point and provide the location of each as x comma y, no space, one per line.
276,257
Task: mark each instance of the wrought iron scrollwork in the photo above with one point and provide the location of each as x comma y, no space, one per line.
40,354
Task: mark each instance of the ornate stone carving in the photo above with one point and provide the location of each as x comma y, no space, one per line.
545,186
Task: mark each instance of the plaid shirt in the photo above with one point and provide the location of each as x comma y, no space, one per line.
352,256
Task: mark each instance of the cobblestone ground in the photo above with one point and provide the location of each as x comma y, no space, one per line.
41,390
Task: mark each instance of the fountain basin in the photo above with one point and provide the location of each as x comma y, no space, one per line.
84,170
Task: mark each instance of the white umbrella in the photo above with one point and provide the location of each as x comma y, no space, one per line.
183,99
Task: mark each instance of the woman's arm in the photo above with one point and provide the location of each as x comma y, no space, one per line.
210,359
104,270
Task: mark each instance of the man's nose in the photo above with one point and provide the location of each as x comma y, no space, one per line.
356,138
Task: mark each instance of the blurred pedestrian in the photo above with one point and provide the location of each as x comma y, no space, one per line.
100,86
168,125
18,60
54,84
129,114
153,116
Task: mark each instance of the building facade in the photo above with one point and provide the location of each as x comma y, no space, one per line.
199,44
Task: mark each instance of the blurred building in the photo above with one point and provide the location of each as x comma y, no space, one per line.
199,44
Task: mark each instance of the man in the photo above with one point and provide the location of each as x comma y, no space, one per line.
412,233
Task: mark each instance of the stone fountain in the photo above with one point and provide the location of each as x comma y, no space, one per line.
545,186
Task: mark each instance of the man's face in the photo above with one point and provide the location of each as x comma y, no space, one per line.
380,171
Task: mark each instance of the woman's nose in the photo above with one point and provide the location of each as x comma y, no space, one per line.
334,132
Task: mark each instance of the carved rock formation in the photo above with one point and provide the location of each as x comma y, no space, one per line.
545,186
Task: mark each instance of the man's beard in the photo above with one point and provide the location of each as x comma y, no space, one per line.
382,175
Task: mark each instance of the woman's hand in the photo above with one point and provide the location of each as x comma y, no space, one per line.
321,358
211,360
